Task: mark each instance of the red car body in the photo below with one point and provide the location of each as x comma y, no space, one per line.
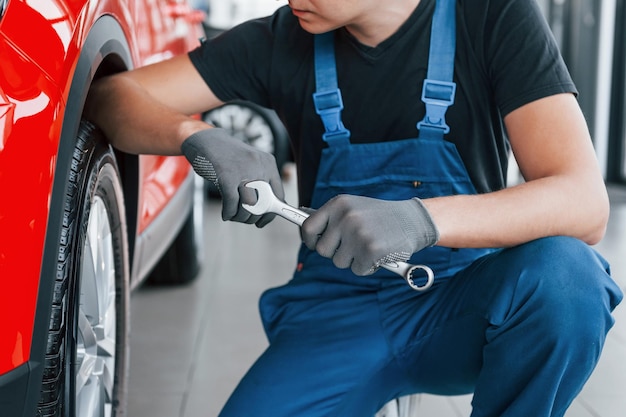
50,52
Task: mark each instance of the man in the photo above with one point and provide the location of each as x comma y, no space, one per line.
520,327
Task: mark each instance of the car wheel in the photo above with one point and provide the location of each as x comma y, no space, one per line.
86,357
255,125
183,259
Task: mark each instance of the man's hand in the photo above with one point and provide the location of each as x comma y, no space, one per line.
364,233
229,163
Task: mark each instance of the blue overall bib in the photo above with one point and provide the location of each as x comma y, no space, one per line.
510,325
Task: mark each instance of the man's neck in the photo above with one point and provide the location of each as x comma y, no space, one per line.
382,21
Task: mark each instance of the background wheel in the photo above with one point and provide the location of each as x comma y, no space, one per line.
255,125
85,373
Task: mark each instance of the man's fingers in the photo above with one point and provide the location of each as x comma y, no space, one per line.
342,257
313,228
247,195
230,202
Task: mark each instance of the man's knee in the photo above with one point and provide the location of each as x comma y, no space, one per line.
565,285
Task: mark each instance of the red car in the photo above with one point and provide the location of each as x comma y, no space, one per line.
81,224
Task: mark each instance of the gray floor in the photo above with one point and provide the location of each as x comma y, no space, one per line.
190,345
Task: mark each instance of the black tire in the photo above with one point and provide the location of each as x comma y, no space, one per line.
181,263
86,365
255,125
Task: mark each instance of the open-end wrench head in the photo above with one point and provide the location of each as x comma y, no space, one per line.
265,196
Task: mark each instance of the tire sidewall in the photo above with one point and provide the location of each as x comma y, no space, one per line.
96,174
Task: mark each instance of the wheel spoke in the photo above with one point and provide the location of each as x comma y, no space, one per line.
96,346
88,292
89,401
85,353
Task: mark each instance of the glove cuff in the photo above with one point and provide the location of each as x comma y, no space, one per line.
198,140
194,148
425,228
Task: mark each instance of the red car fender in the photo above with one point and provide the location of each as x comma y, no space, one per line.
67,40
30,127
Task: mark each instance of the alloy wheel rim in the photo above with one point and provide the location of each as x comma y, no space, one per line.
96,336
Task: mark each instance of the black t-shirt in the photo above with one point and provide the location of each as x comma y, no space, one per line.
505,57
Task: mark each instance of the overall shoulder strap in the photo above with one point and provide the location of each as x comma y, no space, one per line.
438,90
327,97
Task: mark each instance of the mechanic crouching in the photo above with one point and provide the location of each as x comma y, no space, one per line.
401,115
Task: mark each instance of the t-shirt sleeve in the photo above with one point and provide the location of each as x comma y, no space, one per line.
234,63
524,61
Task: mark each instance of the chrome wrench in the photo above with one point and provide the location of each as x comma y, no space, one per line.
267,202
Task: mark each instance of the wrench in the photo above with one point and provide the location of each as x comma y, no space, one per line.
267,202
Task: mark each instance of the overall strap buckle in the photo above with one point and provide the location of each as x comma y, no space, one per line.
438,96
327,97
439,90
328,104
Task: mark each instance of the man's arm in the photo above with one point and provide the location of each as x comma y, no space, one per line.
564,192
147,110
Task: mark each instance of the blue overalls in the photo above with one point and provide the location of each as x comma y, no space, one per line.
522,327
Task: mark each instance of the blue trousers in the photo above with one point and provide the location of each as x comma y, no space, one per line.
522,328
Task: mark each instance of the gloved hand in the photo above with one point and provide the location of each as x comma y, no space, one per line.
364,233
229,163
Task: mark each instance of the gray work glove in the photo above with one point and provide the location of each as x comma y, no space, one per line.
228,162
364,233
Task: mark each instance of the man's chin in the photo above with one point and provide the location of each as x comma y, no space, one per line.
314,28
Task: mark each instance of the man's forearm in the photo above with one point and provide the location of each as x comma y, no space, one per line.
134,122
544,207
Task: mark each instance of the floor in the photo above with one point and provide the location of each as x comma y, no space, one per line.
191,344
